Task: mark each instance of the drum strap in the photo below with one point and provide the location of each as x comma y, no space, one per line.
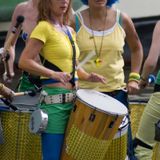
8,103
157,88
113,93
137,142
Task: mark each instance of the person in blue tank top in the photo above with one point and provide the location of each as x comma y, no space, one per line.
147,137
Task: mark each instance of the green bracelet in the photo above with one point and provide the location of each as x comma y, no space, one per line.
133,79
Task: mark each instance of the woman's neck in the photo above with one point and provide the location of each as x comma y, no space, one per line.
97,13
57,20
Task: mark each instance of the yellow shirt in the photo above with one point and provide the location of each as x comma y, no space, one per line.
111,55
57,47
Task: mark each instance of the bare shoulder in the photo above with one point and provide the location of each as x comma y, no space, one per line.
157,27
20,8
127,22
126,19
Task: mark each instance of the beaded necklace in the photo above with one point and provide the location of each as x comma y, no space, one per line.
98,59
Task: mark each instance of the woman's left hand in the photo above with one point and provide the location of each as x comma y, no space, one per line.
94,77
132,87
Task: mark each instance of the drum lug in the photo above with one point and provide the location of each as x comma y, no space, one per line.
74,108
112,122
92,117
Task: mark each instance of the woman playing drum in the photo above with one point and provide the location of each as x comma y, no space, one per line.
104,30
54,39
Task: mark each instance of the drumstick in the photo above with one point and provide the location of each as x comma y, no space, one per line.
31,93
86,59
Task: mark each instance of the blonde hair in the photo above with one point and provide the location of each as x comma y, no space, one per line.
45,11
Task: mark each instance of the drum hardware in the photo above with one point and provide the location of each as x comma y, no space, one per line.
92,115
38,121
42,96
157,131
74,108
112,122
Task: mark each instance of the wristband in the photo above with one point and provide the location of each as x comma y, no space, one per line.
133,79
134,76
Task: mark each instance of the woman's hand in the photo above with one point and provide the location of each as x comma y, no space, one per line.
143,84
133,87
6,92
63,77
94,77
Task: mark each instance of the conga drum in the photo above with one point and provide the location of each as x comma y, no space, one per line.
18,143
117,150
93,123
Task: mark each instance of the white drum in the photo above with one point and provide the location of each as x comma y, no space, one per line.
93,123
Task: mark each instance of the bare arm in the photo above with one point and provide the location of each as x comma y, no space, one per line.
154,52
134,44
27,62
136,49
18,11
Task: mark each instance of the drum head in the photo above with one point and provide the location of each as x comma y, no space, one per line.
102,102
38,121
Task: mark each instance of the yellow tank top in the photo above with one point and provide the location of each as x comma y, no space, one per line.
57,47
111,55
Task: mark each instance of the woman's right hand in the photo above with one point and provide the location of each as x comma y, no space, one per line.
6,92
63,77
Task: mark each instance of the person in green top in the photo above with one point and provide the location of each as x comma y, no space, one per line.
53,39
145,137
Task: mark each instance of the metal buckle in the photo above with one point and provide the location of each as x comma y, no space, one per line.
63,98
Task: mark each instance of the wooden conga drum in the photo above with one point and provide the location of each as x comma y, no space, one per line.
93,124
